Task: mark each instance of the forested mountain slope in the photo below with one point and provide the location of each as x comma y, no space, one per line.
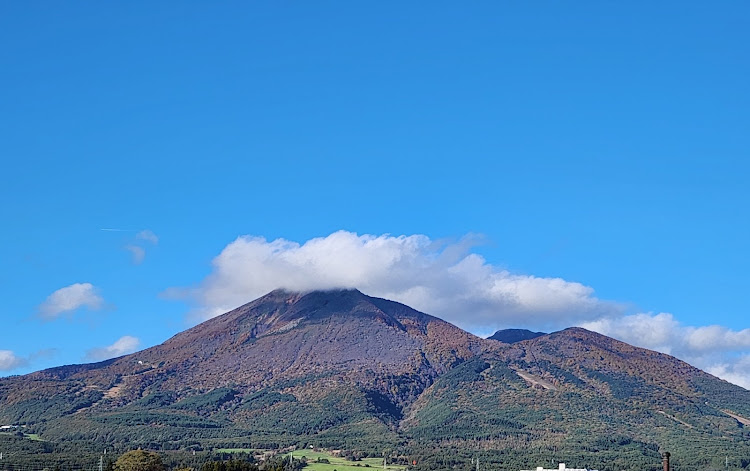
340,369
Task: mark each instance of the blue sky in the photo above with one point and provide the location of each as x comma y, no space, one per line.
547,164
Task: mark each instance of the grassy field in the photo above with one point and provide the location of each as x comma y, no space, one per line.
336,463
341,464
30,436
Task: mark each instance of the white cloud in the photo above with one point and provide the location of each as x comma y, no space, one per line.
148,236
711,348
652,331
136,248
9,361
138,253
439,278
448,280
122,346
717,338
736,370
664,333
69,299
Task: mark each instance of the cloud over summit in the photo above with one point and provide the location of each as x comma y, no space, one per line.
444,279
449,281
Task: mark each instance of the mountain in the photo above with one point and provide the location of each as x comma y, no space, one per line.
343,370
514,335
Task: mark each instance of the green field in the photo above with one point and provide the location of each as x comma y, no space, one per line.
336,463
30,436
340,464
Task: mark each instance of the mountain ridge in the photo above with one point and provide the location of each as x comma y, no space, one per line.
514,335
342,369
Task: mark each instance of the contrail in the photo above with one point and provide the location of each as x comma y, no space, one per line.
108,229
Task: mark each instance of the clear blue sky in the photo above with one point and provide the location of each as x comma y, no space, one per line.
605,143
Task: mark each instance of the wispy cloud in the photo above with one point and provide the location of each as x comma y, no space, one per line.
122,346
43,354
716,349
9,361
735,370
136,246
69,299
148,236
138,253
440,278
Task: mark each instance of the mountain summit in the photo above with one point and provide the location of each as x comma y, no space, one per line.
285,335
514,335
342,369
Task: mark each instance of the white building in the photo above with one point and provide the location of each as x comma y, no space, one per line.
562,467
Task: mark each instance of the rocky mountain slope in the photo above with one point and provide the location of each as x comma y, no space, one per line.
340,369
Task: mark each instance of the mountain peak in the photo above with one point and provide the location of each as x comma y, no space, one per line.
514,335
280,292
581,334
282,306
300,333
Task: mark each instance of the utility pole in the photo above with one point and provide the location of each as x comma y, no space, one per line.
101,463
